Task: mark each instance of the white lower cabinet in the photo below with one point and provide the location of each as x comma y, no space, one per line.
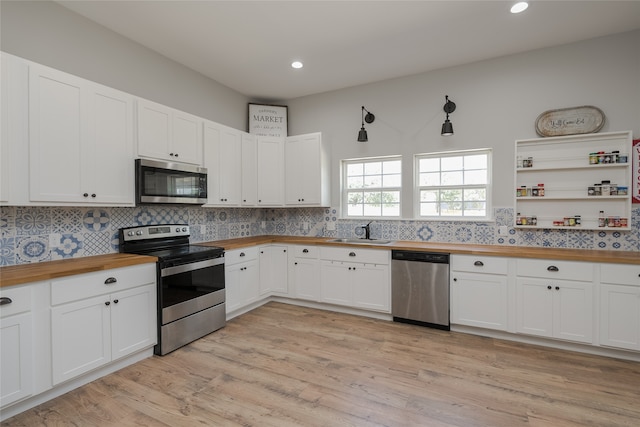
242,278
620,306
304,272
553,306
363,284
16,338
479,291
273,270
100,317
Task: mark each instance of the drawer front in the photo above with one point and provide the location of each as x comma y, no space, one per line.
479,264
20,297
240,255
304,251
620,274
370,256
551,269
82,286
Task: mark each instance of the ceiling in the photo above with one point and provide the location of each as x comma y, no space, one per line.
249,45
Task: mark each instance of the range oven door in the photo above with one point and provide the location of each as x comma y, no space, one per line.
186,289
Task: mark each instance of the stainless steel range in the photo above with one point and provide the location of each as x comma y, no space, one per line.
191,288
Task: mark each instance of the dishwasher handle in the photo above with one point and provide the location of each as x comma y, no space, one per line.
418,256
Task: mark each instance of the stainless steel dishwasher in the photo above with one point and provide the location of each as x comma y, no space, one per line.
420,288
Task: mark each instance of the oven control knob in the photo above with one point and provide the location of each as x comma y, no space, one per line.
177,229
131,233
139,233
184,229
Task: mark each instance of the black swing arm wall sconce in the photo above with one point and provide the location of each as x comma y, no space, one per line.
449,107
369,118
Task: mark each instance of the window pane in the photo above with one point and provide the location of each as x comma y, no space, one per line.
451,208
354,182
429,179
475,208
452,178
394,167
374,181
372,210
373,168
354,210
475,177
355,169
429,165
451,163
478,161
429,209
394,180
475,194
429,195
391,210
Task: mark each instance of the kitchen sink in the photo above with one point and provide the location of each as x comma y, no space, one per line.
362,241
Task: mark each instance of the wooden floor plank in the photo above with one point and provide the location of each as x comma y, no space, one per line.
283,365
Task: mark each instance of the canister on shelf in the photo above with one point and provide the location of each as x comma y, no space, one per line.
623,158
606,188
591,191
624,222
541,190
601,220
623,190
593,158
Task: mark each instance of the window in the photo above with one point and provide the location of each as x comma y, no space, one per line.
371,187
453,184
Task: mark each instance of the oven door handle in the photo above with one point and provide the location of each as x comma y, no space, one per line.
170,271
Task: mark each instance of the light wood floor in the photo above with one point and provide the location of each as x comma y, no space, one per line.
282,365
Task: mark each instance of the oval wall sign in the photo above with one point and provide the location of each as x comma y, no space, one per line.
570,121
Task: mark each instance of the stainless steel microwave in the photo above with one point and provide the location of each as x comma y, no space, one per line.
170,183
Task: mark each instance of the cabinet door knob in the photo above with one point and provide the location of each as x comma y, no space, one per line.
478,263
305,251
557,288
295,263
553,268
115,301
85,195
93,195
107,303
455,279
549,287
352,254
176,154
110,281
5,300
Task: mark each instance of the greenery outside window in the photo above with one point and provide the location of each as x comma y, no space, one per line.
453,184
371,187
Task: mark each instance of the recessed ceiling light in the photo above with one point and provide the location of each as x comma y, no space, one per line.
296,64
521,6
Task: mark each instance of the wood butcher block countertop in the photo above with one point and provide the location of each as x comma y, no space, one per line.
618,257
26,273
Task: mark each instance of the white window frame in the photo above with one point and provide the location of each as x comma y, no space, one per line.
488,186
345,191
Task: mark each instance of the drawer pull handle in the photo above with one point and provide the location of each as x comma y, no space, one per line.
352,254
553,268
305,251
110,281
478,263
241,254
5,300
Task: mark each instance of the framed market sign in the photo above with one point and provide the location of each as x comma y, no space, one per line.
268,120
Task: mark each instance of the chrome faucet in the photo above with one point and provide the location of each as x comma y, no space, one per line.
367,230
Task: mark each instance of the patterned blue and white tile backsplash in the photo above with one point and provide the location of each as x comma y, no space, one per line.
33,234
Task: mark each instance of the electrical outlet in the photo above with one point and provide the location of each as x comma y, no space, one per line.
331,226
263,224
503,230
305,226
54,240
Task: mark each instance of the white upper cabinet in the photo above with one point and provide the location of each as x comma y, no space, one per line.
306,171
168,134
80,140
270,171
223,160
249,172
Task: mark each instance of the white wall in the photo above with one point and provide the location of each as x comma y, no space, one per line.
50,34
497,101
